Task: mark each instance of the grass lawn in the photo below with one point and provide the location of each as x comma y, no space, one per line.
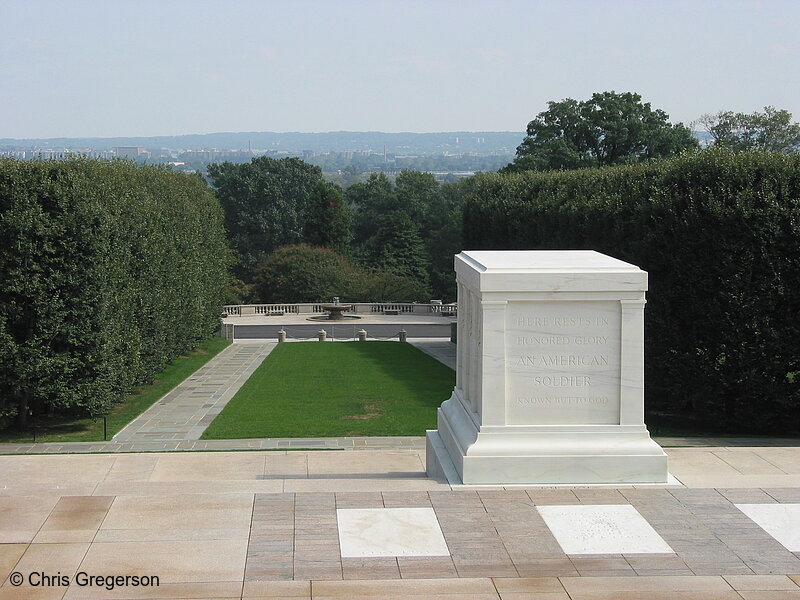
313,389
66,429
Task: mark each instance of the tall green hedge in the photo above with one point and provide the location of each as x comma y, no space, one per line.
108,270
719,234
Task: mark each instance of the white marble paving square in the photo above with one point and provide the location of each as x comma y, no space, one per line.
390,532
781,521
602,529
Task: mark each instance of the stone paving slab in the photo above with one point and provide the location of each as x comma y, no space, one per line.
341,443
705,447
442,350
228,525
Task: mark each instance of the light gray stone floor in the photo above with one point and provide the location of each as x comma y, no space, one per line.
185,412
442,350
265,524
716,447
342,443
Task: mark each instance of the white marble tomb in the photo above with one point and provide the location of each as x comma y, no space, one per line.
549,373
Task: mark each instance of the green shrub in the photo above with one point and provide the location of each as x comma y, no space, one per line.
108,271
719,234
303,273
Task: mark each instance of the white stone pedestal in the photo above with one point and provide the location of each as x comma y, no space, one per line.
549,374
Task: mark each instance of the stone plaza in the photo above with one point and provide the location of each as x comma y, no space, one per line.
369,523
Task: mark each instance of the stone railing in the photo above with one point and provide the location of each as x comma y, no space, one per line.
359,308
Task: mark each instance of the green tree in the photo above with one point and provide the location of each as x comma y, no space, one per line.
327,219
607,129
771,130
423,199
418,195
351,174
398,247
378,285
368,201
392,219
447,239
302,273
239,292
305,274
265,203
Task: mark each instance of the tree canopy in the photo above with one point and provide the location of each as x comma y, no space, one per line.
771,130
265,203
305,274
407,227
412,227
397,247
369,200
327,219
609,128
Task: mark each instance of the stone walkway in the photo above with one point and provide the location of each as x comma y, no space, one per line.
335,443
272,524
342,443
442,350
185,412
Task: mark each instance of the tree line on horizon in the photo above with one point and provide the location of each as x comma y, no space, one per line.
397,236
393,239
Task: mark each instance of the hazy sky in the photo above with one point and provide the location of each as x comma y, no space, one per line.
166,67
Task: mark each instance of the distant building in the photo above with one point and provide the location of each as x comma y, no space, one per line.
161,153
131,152
214,155
55,153
18,154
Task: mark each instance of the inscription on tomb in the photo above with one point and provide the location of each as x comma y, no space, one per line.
563,362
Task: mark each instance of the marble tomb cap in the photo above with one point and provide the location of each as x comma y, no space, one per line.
547,270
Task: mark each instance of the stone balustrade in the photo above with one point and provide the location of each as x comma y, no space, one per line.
359,308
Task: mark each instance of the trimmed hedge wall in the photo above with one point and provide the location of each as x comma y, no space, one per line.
719,234
108,271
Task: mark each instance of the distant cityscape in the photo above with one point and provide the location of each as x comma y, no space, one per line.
347,155
447,155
